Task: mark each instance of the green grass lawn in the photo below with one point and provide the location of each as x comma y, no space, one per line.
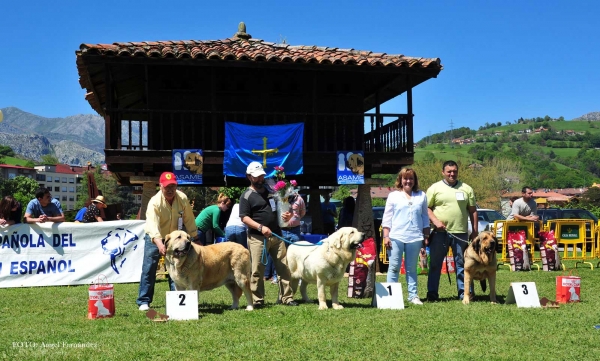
445,330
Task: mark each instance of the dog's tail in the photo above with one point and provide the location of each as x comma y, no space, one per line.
483,285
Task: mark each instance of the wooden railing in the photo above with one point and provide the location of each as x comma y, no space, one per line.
165,130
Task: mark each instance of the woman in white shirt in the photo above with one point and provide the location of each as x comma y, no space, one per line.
235,230
405,224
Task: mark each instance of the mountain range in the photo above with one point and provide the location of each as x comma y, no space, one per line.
75,139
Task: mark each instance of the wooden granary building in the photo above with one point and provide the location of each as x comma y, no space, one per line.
178,94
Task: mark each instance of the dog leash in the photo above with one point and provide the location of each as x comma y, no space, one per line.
448,236
264,259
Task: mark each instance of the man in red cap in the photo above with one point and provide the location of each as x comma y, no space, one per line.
168,211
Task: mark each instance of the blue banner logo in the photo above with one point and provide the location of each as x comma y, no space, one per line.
188,165
350,167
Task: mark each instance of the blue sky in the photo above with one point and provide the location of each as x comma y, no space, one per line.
502,59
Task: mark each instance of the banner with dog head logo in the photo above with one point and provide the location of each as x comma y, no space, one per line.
66,253
188,165
350,167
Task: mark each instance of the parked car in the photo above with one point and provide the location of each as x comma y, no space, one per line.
485,221
547,214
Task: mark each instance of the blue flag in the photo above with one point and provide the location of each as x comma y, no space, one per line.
270,145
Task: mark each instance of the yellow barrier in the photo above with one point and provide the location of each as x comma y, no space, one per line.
530,238
383,251
571,233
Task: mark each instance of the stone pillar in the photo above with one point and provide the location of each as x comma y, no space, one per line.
363,212
363,221
148,191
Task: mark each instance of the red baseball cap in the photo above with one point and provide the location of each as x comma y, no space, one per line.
167,178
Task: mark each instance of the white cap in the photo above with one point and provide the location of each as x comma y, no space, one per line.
255,169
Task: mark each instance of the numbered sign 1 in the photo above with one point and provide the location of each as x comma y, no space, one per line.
182,305
524,294
388,295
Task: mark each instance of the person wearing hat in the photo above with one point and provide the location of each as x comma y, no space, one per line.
259,213
93,212
168,210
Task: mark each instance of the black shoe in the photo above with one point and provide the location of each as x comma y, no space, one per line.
292,303
432,297
258,305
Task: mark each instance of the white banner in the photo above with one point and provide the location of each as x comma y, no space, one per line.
57,254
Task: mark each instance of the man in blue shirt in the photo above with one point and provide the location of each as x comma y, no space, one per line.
44,208
328,212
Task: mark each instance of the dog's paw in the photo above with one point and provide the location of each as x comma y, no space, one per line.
465,301
249,308
322,306
337,306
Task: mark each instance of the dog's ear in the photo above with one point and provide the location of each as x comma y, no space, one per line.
476,244
337,241
167,238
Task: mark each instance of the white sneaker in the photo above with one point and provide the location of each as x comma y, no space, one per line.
416,301
144,307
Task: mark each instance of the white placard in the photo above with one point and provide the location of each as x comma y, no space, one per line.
388,296
182,305
524,294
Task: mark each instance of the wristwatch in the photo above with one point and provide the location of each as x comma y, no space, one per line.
259,228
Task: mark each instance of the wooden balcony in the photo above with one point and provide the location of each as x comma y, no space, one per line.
388,144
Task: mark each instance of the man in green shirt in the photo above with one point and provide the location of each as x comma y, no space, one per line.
450,204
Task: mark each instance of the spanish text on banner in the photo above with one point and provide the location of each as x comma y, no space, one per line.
56,254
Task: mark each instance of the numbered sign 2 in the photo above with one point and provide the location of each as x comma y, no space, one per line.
524,294
388,295
182,305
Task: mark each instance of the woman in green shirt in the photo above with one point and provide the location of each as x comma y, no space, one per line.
209,218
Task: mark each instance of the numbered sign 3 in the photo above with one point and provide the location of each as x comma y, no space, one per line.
388,295
524,294
182,305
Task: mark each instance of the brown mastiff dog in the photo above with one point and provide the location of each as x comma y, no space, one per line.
481,263
194,267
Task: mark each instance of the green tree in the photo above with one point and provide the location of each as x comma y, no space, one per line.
21,188
49,159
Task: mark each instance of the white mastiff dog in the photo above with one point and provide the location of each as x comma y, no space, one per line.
323,264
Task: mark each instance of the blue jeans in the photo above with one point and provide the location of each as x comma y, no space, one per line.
148,279
237,234
438,249
291,235
201,237
411,251
270,268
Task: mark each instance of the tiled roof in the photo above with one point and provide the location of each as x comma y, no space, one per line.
67,169
255,50
14,166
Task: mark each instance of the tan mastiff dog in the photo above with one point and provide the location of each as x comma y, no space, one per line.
481,264
323,264
202,268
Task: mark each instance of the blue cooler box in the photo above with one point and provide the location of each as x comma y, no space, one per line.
313,238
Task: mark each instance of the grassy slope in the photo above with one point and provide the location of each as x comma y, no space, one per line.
462,151
445,330
14,161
